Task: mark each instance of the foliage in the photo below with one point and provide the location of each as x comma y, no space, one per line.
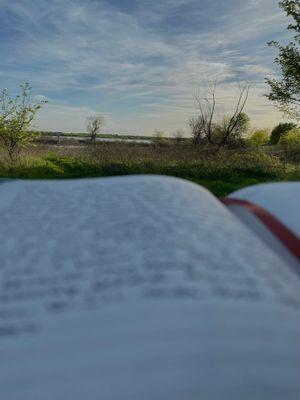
16,116
240,129
259,137
286,92
256,163
290,143
222,172
292,138
280,130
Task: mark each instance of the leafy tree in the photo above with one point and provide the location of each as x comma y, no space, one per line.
258,138
280,130
241,127
285,93
290,143
16,116
292,138
219,130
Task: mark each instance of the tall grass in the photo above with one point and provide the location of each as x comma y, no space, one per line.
221,172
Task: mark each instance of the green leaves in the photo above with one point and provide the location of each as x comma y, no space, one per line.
259,137
285,93
292,8
280,130
16,116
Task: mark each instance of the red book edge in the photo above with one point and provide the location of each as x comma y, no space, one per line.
284,234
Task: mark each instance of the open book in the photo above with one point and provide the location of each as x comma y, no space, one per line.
143,288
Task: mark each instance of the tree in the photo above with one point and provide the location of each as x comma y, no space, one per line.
94,126
259,137
197,125
280,130
290,143
159,137
285,93
16,116
205,127
241,127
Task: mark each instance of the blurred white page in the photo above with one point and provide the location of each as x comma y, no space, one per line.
281,199
140,288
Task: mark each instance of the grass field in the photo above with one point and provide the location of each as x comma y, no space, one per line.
222,173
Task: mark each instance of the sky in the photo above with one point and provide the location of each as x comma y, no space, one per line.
139,63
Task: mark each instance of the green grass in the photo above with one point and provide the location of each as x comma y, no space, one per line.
220,179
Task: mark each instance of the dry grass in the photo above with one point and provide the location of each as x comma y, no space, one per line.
121,152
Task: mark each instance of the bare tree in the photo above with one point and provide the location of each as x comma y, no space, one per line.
94,125
207,107
204,125
197,125
232,127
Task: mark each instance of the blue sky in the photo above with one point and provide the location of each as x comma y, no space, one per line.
138,62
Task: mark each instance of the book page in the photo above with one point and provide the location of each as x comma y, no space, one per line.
140,288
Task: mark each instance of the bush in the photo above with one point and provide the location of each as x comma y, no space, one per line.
290,143
256,163
16,116
280,130
235,138
258,138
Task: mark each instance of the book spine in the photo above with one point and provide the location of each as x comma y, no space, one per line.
281,231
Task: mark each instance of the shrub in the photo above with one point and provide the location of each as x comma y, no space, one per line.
280,130
16,116
258,138
290,143
292,138
256,163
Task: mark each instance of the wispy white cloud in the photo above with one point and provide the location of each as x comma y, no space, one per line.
140,63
